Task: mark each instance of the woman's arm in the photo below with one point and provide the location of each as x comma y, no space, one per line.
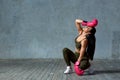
78,25
84,44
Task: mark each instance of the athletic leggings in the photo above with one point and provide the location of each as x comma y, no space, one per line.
69,57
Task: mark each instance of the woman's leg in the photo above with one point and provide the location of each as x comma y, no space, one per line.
84,64
69,56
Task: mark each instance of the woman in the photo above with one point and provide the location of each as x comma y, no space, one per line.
85,45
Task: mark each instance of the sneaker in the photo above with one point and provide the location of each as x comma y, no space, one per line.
90,70
68,70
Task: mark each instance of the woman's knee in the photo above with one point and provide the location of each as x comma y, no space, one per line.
66,51
84,64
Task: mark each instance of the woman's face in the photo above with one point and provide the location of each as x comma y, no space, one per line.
86,29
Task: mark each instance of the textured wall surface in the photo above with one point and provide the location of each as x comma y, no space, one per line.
42,28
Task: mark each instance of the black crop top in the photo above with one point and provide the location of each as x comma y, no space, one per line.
77,44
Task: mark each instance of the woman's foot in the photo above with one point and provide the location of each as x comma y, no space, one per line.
90,70
68,70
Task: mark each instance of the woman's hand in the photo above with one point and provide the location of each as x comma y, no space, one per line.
78,21
82,36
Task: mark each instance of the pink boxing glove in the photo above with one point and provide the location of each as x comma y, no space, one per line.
92,23
78,71
95,21
84,23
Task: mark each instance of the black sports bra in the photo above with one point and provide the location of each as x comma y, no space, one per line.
77,44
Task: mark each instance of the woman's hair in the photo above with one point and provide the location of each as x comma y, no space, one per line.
91,43
93,31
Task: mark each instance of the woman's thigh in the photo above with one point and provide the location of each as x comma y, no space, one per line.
71,55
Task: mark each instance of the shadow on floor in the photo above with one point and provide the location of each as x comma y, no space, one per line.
107,71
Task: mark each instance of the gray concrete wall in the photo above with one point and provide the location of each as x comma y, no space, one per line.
42,28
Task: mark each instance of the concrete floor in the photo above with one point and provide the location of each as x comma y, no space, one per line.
52,69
